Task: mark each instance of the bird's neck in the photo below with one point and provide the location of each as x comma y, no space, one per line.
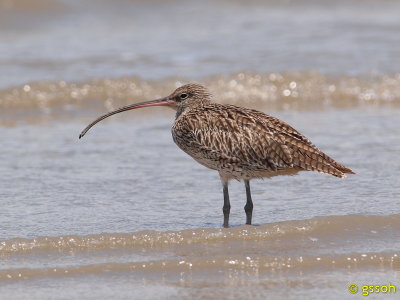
180,111
186,108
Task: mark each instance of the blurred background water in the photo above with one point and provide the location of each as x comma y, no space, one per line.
82,40
124,207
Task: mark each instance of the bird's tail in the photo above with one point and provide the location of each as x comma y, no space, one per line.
312,159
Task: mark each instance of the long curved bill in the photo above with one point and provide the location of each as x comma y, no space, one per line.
159,102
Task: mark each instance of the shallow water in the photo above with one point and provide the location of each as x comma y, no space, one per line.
124,213
130,173
126,205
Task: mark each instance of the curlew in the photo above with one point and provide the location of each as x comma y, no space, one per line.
238,142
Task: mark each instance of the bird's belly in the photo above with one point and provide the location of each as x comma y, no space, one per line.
246,173
239,171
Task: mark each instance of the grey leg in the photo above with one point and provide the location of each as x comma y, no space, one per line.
227,205
248,208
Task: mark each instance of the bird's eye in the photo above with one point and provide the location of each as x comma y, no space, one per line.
183,96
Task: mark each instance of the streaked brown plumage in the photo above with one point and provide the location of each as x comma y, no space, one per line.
239,143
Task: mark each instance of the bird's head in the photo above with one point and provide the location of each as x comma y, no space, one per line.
189,95
186,96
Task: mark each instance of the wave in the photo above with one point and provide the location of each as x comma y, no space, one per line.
301,245
297,91
273,91
253,264
318,227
